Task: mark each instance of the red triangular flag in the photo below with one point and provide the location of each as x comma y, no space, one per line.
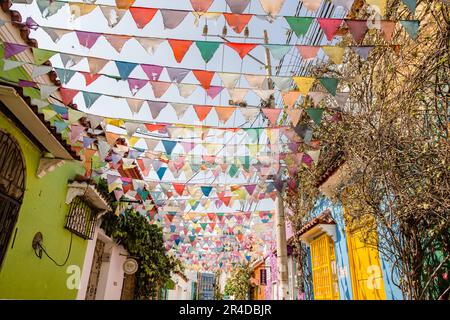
241,48
89,77
329,26
272,114
179,48
142,16
179,188
202,111
237,21
67,95
204,77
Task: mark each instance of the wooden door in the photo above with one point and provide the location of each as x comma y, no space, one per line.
365,268
128,287
95,270
324,273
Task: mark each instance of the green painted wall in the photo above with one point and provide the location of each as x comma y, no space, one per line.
22,274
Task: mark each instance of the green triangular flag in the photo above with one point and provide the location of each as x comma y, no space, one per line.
207,49
42,55
65,74
254,133
315,114
90,98
299,25
330,84
411,26
233,170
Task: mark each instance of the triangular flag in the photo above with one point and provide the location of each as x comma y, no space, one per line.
117,41
136,84
150,44
156,107
335,53
160,172
169,145
272,114
41,70
87,39
315,114
213,91
387,28
179,48
294,115
90,98
238,6
241,48
125,68
153,72
80,9
11,49
330,84
411,4
54,33
224,113
204,77
238,95
300,25
363,51
186,89
329,26
201,5
67,95
142,16
229,80
290,97
89,77
358,29
202,111
135,105
237,21
96,64
12,64
411,27
304,84
177,74
308,52
179,188
159,88
346,4
206,190
41,55
282,83
112,14
172,18
278,51
272,7
378,5
207,49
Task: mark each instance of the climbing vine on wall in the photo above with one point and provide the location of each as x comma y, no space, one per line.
238,285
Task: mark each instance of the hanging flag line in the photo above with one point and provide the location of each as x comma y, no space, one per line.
159,88
176,74
357,28
172,18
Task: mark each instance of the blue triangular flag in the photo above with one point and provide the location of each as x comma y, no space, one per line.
87,142
411,4
125,68
161,172
206,190
90,98
411,26
60,125
169,145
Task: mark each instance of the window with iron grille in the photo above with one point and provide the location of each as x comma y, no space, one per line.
81,218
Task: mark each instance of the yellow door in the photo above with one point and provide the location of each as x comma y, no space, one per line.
365,268
324,274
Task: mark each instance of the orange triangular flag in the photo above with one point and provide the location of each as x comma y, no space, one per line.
124,4
204,77
202,111
241,48
237,21
224,113
111,138
179,48
289,98
142,16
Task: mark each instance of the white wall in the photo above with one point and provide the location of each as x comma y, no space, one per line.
182,290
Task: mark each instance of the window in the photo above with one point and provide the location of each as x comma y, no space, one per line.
81,218
12,188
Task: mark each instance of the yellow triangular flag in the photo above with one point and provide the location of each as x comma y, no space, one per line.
380,5
336,54
304,84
